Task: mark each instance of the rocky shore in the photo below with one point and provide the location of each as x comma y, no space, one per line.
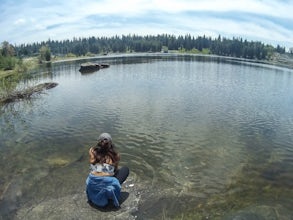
75,206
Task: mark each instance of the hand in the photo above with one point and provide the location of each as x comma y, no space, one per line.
91,151
92,155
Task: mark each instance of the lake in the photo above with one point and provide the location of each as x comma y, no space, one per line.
204,137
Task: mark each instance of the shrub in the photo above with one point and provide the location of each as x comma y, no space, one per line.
7,62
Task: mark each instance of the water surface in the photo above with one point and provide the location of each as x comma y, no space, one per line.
202,136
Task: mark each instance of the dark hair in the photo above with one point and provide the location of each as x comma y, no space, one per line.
104,150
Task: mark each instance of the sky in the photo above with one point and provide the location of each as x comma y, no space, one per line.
29,21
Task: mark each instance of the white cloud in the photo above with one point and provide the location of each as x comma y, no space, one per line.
281,9
32,20
20,21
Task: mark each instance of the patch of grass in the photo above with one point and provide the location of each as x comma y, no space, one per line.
195,51
22,66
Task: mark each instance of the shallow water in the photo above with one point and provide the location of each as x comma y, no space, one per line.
202,136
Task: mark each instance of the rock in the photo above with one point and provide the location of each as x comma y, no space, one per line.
75,206
58,161
92,67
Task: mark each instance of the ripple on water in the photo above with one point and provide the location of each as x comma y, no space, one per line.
189,134
140,168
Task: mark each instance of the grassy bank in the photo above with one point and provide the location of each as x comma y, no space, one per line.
23,66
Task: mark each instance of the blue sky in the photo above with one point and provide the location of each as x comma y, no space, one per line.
28,21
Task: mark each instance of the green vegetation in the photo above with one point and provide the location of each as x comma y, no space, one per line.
14,68
24,57
10,64
45,54
195,51
19,66
236,47
7,56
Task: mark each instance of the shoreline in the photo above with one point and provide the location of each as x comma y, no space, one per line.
284,61
281,61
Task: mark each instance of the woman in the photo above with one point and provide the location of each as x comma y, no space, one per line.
105,179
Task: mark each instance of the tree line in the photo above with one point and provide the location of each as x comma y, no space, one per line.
235,47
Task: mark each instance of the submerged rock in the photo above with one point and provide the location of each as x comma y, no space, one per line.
58,161
260,212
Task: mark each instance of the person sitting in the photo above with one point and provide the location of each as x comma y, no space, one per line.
105,178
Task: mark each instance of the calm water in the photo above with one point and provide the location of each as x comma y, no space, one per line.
202,136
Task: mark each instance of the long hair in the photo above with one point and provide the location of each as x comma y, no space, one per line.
103,151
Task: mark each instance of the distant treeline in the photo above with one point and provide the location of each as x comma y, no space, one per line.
236,47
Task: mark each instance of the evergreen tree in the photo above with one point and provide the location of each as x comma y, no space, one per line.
236,47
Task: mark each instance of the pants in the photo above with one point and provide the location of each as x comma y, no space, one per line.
121,174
